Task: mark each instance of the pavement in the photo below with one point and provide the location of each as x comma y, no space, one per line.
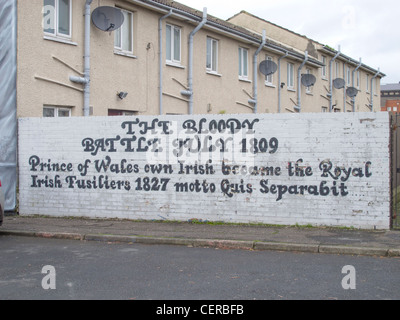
384,243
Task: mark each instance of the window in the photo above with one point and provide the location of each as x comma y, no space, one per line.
309,89
56,112
324,67
243,63
173,44
270,78
348,76
212,55
324,109
373,86
367,83
114,113
358,79
57,18
290,75
337,72
123,39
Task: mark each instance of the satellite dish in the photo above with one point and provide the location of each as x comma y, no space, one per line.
308,80
268,67
107,18
351,92
339,83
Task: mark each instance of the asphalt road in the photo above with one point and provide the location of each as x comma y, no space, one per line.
94,270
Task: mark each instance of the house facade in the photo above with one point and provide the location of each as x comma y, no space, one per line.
168,58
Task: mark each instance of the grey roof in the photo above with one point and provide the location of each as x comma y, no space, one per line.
390,87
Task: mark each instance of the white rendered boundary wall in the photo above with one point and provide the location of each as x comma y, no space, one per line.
286,169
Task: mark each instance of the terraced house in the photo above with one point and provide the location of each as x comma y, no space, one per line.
167,58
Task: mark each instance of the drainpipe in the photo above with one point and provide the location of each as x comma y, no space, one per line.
344,89
279,80
353,100
255,75
372,89
160,45
86,93
298,107
86,79
331,80
189,92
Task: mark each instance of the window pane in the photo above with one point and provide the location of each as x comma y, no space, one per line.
214,54
177,44
240,62
169,43
208,63
290,75
48,112
245,73
49,16
268,78
127,32
63,113
117,38
64,17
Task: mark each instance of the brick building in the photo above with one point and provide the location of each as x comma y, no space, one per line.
390,97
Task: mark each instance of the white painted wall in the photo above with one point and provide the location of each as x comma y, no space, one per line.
356,145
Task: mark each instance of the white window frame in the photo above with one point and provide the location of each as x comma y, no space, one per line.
119,33
290,76
358,80
212,55
337,70
171,40
309,89
348,76
56,111
243,64
269,80
55,19
367,89
323,70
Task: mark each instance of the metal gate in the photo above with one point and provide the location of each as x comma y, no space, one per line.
395,181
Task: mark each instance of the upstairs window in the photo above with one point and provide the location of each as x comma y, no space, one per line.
309,89
290,76
348,76
212,55
173,44
57,18
243,63
270,78
123,38
323,70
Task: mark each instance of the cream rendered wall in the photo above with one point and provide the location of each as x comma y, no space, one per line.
138,75
275,32
110,72
35,59
313,102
